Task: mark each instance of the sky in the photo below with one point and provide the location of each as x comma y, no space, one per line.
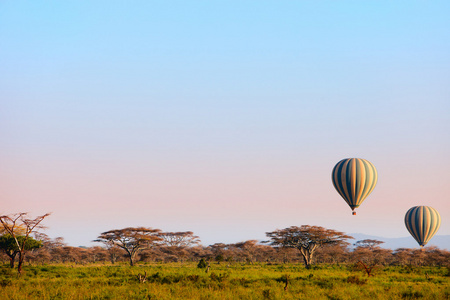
224,118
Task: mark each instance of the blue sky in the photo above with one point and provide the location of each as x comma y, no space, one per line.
222,117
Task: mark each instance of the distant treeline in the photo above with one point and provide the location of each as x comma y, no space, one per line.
55,251
311,245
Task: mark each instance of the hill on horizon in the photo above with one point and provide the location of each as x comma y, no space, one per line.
440,241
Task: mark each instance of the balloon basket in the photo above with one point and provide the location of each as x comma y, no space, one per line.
354,213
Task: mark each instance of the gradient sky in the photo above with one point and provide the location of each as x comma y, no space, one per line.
222,117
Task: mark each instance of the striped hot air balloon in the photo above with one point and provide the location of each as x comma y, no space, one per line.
354,179
422,223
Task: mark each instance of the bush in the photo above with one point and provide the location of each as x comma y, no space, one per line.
409,294
356,280
193,278
267,294
202,264
220,277
5,282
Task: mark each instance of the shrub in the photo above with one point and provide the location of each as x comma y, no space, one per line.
356,280
5,282
202,264
409,294
193,277
267,294
325,284
220,277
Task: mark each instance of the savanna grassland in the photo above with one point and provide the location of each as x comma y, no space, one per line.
223,281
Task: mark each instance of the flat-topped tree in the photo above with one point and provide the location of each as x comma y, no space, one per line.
368,244
19,227
131,239
307,239
182,239
177,243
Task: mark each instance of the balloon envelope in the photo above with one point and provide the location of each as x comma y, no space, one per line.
422,223
354,179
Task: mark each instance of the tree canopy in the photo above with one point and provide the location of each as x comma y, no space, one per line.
179,239
130,239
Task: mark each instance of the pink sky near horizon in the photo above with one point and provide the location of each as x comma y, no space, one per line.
220,202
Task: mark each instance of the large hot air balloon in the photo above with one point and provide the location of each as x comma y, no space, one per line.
354,179
422,222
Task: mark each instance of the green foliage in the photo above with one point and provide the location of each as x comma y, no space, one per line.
219,258
8,243
356,280
5,282
202,264
267,294
410,294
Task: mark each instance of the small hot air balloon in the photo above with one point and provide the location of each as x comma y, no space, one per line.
422,223
354,179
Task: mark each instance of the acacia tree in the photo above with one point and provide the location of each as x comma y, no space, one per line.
179,239
247,250
333,254
176,243
306,239
369,254
403,256
113,252
368,244
130,239
19,227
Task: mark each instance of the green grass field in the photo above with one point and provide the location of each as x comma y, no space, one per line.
235,281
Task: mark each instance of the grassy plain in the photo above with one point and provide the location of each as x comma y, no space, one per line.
234,281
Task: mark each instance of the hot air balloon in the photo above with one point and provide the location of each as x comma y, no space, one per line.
354,179
422,223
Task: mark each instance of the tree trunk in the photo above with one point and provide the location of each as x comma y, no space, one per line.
113,258
12,258
130,255
307,253
11,262
306,257
131,259
19,266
